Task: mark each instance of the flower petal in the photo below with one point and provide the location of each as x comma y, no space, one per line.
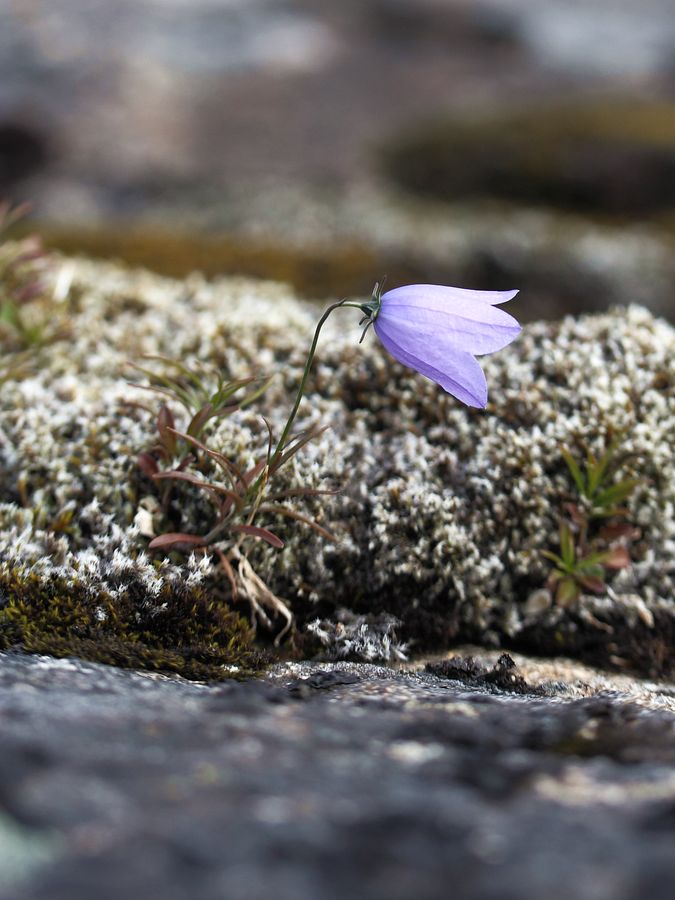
441,296
457,371
466,323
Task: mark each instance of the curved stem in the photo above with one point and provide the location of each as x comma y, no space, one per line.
303,381
255,489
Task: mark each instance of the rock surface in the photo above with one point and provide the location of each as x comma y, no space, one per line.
270,122
220,77
332,781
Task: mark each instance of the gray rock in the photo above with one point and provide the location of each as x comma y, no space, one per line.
329,782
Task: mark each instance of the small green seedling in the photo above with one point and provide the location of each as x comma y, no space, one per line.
575,572
589,551
599,494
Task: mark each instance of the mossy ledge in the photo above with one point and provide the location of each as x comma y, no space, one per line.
192,635
610,158
443,514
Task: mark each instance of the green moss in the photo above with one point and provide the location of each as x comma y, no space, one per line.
615,156
190,634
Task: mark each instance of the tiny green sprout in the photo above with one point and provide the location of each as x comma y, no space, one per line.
588,551
204,395
598,492
575,571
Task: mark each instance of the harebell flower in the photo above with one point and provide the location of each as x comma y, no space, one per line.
436,330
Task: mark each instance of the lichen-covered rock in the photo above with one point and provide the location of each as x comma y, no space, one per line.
443,511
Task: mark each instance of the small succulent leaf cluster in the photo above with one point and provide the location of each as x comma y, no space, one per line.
588,550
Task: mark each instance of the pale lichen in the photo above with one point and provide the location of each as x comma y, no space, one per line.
443,511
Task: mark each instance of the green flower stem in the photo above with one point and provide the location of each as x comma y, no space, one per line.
303,381
255,489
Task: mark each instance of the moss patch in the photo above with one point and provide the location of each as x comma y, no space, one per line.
188,634
613,157
612,643
316,272
443,515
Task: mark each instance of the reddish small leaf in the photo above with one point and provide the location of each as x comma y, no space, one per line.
165,426
147,464
199,420
262,534
577,515
617,558
597,585
175,539
253,473
619,530
216,490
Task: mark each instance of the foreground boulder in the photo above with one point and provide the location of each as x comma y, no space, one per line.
338,781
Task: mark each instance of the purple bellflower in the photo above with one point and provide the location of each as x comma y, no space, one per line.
436,330
439,331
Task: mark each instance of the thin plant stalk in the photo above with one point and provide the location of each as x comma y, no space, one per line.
303,381
257,488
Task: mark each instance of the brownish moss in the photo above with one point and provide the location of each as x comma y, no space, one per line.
614,156
314,272
619,646
190,634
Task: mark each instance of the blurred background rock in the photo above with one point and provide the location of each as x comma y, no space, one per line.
488,143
